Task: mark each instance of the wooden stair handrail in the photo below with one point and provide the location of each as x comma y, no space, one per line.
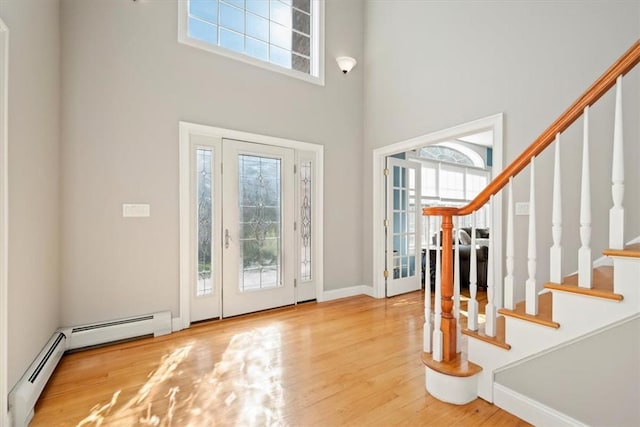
601,86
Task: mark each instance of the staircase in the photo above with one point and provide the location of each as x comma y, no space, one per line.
600,294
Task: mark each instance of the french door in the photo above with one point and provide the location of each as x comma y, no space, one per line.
403,243
244,227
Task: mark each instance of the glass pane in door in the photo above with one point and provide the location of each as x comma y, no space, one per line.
260,222
204,285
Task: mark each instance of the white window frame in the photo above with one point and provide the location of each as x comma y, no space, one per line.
317,45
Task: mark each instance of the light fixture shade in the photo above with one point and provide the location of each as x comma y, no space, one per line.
346,63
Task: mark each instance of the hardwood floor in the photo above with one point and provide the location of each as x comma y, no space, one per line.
354,361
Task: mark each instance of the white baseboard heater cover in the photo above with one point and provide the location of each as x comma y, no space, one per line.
26,392
24,395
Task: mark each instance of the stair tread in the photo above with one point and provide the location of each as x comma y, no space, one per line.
544,316
500,338
602,284
458,367
630,251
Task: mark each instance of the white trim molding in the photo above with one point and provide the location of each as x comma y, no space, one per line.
492,123
186,130
531,410
351,291
4,224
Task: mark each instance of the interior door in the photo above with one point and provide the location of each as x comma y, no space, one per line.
258,227
403,243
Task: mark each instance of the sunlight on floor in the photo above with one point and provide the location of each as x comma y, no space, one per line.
246,382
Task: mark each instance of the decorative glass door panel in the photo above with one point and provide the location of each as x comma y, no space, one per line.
403,215
260,222
258,200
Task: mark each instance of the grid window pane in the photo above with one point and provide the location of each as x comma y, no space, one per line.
301,63
203,31
231,17
280,56
276,31
236,3
281,36
259,7
206,10
301,44
301,22
231,40
257,49
281,13
302,5
257,27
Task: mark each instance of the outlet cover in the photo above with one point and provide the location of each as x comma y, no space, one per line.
522,208
136,210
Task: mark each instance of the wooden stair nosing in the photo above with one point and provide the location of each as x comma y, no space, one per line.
629,251
499,340
602,285
544,316
458,367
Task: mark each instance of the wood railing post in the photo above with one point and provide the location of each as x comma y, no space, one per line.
448,325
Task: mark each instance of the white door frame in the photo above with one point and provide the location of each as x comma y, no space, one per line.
4,221
493,123
185,130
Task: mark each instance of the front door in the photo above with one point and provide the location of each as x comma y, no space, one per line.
243,227
403,244
258,224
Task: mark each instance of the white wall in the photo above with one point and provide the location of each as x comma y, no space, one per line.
34,217
126,84
433,65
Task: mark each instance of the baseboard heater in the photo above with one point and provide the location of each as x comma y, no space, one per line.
25,393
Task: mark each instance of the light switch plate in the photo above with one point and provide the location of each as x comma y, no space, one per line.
136,210
522,208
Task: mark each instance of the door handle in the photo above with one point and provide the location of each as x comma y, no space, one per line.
227,238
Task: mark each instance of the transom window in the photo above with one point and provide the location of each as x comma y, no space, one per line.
283,35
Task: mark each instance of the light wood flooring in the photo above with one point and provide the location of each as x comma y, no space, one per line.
354,361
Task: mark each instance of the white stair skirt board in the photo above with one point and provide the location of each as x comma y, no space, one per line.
26,392
530,410
449,389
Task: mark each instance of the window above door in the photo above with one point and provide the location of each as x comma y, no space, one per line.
285,36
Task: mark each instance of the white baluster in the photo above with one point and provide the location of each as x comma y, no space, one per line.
427,294
585,265
555,253
490,310
437,332
456,287
531,291
616,214
509,291
472,323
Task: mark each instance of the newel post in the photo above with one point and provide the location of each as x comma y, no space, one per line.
448,326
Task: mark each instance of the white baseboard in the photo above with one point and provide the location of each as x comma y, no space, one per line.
176,324
529,409
346,292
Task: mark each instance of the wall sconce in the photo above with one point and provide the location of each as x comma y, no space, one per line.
346,63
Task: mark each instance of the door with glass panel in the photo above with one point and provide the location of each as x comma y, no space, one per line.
242,227
258,227
403,244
